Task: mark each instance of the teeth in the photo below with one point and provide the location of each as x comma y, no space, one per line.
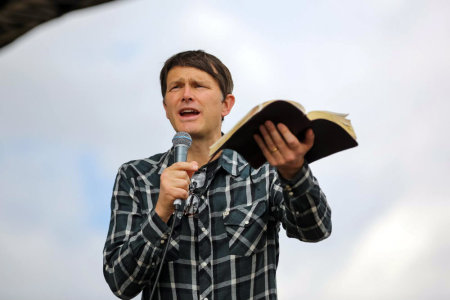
188,111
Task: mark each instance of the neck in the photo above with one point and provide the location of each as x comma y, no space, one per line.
199,150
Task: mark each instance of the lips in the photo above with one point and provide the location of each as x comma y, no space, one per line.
187,112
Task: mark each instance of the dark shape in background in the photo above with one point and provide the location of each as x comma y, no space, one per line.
19,16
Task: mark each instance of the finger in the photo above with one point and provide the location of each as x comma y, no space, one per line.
194,168
190,173
261,144
309,138
273,155
188,168
185,165
291,140
171,179
177,175
267,154
277,139
179,193
181,183
271,146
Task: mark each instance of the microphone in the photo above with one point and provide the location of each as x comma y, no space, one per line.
181,142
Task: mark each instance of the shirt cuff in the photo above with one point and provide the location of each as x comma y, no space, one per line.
302,182
155,230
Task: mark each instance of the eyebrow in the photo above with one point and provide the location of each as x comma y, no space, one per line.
178,81
182,81
202,82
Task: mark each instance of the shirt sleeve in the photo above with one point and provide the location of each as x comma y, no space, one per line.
135,241
301,206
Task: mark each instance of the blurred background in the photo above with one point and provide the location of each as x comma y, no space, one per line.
79,96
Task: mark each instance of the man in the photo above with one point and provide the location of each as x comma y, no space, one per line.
226,244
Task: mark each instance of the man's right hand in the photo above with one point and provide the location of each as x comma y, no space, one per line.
174,185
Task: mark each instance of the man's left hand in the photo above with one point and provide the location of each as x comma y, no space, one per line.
282,149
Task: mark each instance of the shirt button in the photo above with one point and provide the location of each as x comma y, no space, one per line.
162,241
204,229
291,194
226,212
246,222
204,264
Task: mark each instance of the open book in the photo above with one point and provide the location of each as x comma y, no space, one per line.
333,132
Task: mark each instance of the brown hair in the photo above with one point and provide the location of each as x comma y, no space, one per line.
200,60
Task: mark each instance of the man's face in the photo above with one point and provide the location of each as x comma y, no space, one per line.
194,103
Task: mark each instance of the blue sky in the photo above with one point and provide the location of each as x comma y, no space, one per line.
80,96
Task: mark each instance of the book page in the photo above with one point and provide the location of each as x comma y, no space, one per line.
338,118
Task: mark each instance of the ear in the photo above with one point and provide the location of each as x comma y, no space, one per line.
227,104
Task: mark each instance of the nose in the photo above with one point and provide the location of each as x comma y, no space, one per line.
187,93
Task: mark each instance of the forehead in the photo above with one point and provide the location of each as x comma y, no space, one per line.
188,73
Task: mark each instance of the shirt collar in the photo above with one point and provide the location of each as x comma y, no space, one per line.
166,160
229,160
234,163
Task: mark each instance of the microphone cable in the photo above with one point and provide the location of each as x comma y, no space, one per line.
177,215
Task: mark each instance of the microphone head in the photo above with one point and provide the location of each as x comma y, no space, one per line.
182,138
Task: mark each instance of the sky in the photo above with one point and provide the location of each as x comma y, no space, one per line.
80,96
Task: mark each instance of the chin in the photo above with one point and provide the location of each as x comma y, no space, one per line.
188,129
194,134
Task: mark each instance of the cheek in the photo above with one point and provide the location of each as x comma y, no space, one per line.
170,111
165,108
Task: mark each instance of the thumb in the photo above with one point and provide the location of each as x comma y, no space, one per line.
309,138
193,170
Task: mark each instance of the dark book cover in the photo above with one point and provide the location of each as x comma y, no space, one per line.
330,137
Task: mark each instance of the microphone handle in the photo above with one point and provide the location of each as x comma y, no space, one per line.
180,155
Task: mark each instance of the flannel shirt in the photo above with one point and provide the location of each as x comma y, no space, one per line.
228,249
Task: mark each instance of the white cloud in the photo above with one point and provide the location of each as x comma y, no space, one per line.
51,246
395,258
37,265
89,83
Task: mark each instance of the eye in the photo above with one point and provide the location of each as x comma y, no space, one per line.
199,85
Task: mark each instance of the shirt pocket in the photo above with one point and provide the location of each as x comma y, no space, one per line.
246,228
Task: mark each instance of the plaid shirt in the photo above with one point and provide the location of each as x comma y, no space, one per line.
227,249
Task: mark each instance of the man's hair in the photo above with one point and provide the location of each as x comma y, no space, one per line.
200,60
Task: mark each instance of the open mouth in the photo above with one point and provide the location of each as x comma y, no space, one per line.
189,112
